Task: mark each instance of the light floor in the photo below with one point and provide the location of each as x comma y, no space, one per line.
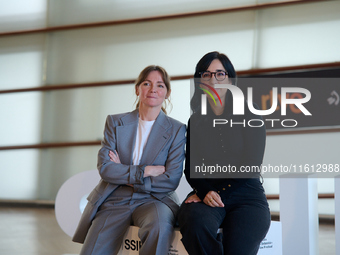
35,231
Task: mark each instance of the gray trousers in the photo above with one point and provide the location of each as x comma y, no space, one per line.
122,209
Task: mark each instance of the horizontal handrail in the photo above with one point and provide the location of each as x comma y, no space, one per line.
49,145
156,18
173,78
320,196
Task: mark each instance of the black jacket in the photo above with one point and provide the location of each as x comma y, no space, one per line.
234,146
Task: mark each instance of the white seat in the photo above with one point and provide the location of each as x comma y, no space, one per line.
71,201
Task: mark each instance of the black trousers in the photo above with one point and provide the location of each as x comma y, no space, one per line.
245,219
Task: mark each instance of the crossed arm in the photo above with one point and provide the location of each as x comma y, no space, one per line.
148,170
161,176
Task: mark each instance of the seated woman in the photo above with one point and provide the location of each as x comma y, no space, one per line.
235,202
140,164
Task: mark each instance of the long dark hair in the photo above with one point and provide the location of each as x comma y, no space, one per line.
202,66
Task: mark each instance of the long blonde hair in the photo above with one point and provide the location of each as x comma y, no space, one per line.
166,79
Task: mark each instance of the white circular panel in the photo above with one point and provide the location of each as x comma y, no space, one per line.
71,199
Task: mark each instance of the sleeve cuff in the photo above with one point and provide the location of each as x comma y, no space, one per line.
137,174
145,187
203,192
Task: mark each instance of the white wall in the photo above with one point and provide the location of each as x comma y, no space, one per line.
292,35
299,150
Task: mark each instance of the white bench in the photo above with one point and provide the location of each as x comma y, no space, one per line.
71,201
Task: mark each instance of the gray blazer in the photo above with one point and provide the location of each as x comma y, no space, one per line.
165,146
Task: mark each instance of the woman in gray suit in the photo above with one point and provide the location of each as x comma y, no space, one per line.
140,164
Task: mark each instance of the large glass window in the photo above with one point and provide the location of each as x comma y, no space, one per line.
264,38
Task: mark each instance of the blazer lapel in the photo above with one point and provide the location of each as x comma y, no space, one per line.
126,137
157,139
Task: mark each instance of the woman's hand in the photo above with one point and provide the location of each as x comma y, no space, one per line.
213,199
148,171
114,157
153,171
193,199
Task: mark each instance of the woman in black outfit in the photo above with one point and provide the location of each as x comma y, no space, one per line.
233,201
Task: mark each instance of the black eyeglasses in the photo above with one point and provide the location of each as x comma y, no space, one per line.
219,75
